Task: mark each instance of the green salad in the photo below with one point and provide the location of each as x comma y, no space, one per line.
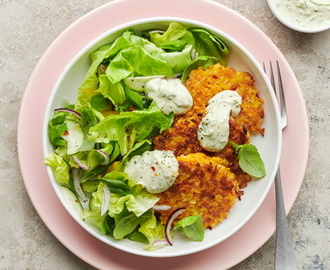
113,120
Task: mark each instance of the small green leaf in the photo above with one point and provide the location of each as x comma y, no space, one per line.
107,225
135,98
114,183
57,127
125,226
192,227
99,102
137,236
249,160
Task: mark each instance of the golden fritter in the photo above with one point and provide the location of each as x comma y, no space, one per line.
205,186
203,84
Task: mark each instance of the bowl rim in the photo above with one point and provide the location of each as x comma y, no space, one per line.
283,20
83,51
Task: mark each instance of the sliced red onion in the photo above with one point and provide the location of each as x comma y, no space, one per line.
103,67
68,110
193,54
106,157
157,31
161,207
177,212
79,163
76,183
159,244
106,198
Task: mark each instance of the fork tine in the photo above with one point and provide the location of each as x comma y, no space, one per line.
272,78
282,98
278,92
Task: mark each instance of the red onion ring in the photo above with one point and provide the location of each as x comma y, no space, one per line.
79,163
161,207
76,183
177,212
68,110
159,244
106,157
106,197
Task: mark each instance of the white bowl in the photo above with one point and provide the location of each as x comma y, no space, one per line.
269,146
285,15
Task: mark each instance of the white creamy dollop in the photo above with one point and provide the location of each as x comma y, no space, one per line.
138,83
155,170
213,131
305,13
170,95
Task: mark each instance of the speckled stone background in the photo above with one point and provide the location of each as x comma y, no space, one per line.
27,28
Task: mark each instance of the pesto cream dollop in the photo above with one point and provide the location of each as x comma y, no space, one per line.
170,95
213,131
155,170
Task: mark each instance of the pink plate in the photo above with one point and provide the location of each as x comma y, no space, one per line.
222,256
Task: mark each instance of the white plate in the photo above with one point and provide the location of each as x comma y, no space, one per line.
269,145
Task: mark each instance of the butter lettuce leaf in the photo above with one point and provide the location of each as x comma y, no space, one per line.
153,230
175,31
60,167
98,56
113,91
207,44
136,61
129,128
179,60
204,43
128,54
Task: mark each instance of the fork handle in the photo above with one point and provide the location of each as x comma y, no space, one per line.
285,258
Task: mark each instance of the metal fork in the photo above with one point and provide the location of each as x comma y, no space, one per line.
285,258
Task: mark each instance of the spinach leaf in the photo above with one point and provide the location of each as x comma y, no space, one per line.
127,223
192,227
249,160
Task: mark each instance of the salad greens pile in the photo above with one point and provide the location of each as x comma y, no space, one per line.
110,122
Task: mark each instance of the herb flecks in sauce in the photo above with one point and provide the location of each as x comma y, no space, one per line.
213,131
305,13
155,170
